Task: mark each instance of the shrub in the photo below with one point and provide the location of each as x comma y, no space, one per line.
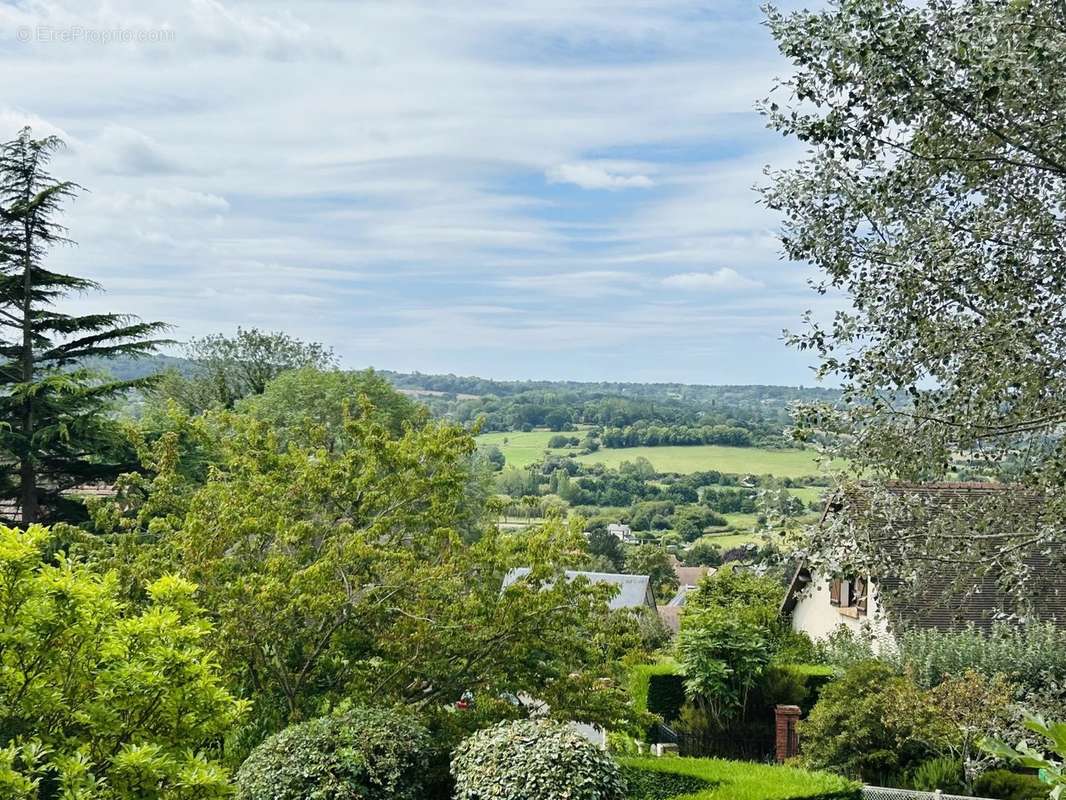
365,754
854,728
1032,655
1003,784
96,691
944,774
534,760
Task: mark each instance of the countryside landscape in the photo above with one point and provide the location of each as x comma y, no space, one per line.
578,401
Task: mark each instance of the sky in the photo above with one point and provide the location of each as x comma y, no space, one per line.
545,189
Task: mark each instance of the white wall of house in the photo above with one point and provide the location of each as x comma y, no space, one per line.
815,616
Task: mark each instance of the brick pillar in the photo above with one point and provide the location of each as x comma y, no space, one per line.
787,742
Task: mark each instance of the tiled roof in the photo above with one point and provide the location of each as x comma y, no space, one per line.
633,590
950,596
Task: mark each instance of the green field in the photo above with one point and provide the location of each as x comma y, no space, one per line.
700,458
522,449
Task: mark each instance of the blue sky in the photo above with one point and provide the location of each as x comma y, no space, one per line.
538,189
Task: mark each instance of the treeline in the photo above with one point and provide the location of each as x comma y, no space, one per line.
651,435
757,415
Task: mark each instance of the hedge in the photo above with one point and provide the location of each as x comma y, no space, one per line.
641,677
655,778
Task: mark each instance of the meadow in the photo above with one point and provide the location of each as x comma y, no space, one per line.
522,449
700,458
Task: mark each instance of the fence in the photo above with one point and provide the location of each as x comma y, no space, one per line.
887,793
750,747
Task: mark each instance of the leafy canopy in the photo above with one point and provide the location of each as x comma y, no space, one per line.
100,700
930,201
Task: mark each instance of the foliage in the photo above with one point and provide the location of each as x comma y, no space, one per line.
234,367
362,571
1031,757
853,730
100,700
931,200
534,760
722,658
1006,785
742,780
310,396
938,774
703,553
647,559
1031,655
844,648
363,754
755,599
56,427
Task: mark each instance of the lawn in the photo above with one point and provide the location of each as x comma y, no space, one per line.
522,449
730,780
700,458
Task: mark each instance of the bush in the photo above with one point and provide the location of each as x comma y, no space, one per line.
853,728
1003,784
1032,655
944,774
365,754
96,691
534,760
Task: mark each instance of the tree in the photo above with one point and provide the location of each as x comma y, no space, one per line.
343,572
234,367
100,700
722,658
310,396
852,729
55,431
703,554
647,559
931,199
606,545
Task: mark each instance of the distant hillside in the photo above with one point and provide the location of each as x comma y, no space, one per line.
726,394
128,369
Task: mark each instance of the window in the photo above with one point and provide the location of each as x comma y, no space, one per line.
849,595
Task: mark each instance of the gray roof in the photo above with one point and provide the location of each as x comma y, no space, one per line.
633,590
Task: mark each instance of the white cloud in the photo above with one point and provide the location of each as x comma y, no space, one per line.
124,151
589,175
389,156
724,278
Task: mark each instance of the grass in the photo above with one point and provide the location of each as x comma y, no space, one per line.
704,457
742,780
808,494
521,449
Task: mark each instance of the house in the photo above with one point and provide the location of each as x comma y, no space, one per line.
949,597
11,509
687,578
634,591
621,532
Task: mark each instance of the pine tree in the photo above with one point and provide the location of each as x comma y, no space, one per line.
56,430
